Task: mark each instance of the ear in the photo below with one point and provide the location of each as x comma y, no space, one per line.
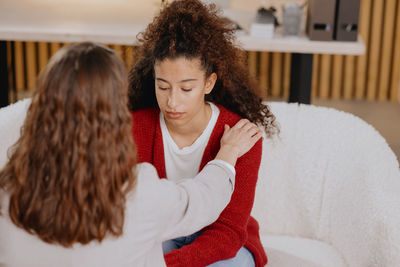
210,82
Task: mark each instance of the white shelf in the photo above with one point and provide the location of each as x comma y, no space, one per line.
301,45
119,21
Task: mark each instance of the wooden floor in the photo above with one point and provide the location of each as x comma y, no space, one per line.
383,116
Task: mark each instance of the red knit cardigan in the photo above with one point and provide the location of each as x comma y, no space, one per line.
235,227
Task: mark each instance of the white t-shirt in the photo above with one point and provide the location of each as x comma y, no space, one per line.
185,162
157,210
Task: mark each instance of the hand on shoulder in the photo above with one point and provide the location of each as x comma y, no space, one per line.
238,140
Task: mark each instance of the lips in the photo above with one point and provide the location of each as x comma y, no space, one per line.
174,115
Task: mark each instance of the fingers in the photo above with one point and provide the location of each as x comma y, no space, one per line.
246,127
254,130
257,136
240,123
250,128
226,128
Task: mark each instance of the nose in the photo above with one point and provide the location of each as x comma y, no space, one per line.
172,99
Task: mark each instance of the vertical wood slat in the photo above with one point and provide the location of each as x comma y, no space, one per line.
361,72
276,73
324,82
128,56
264,74
65,44
19,66
337,70
252,63
388,27
30,62
9,67
287,61
54,48
348,78
395,81
43,55
315,76
374,53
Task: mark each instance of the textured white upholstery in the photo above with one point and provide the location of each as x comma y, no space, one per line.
331,178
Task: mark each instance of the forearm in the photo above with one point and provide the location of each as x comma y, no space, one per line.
199,201
227,154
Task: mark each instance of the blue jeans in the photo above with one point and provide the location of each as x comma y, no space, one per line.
243,258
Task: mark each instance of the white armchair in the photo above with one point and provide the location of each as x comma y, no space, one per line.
328,192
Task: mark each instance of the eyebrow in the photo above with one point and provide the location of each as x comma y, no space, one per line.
183,81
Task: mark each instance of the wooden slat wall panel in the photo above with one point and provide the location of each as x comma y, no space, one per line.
287,62
276,79
43,55
325,72
9,65
337,77
348,82
387,42
19,66
264,74
11,81
374,51
252,62
128,55
30,62
364,26
395,81
315,76
373,76
54,48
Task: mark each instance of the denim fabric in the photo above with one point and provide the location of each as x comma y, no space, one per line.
243,258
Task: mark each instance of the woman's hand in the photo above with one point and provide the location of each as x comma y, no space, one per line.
238,140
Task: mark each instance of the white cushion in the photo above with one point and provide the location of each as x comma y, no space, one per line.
286,251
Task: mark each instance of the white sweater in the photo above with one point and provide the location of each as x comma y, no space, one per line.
156,210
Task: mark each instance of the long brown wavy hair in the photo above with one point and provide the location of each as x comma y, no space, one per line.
74,163
190,29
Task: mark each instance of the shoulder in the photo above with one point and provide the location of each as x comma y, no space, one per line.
226,116
231,118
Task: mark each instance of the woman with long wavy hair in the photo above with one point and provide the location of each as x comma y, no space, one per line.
72,193
189,80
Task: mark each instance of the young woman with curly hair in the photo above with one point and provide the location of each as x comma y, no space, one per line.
189,80
72,193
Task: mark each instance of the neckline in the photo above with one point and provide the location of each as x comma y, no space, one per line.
207,131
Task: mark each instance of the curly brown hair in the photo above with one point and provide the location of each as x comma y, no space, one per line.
74,163
190,29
